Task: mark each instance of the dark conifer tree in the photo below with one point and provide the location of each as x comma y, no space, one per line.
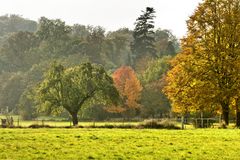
143,34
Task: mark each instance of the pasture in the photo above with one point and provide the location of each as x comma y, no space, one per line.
149,144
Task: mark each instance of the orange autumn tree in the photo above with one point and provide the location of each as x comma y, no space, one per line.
129,88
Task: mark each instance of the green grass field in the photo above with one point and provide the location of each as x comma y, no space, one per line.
67,124
71,144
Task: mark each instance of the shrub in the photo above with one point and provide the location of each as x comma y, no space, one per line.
110,126
151,123
126,126
163,124
168,124
39,126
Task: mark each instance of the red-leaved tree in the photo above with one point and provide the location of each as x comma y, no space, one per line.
129,88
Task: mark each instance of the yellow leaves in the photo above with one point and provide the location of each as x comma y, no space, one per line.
193,83
206,72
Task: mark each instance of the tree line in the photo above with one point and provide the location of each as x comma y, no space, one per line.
84,71
31,53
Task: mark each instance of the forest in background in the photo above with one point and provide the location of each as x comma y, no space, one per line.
29,48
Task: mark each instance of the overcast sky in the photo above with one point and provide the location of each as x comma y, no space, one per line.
111,14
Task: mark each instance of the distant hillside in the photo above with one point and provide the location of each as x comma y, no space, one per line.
15,23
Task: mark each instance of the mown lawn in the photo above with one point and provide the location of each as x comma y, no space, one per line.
71,144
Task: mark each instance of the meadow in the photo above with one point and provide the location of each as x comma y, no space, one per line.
149,144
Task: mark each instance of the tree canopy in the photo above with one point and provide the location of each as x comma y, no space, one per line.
129,88
70,88
205,74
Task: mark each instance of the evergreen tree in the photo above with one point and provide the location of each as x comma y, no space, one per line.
143,34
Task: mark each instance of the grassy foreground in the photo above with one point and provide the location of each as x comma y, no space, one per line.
119,144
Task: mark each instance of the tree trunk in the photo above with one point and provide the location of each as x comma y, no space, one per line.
182,121
237,117
74,119
225,114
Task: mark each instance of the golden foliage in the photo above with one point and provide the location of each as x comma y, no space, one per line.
205,75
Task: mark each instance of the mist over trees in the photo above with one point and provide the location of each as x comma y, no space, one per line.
28,49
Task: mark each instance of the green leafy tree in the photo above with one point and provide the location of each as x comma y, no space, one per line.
156,70
166,43
55,38
95,44
11,91
15,23
52,30
96,112
80,31
116,47
26,106
73,87
16,51
153,100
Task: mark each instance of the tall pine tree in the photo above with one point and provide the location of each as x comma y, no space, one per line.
143,34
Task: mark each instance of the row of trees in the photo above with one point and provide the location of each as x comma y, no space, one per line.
204,76
88,84
26,54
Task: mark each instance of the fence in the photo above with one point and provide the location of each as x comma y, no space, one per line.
15,121
204,122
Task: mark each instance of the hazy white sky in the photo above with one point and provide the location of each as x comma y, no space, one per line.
111,14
